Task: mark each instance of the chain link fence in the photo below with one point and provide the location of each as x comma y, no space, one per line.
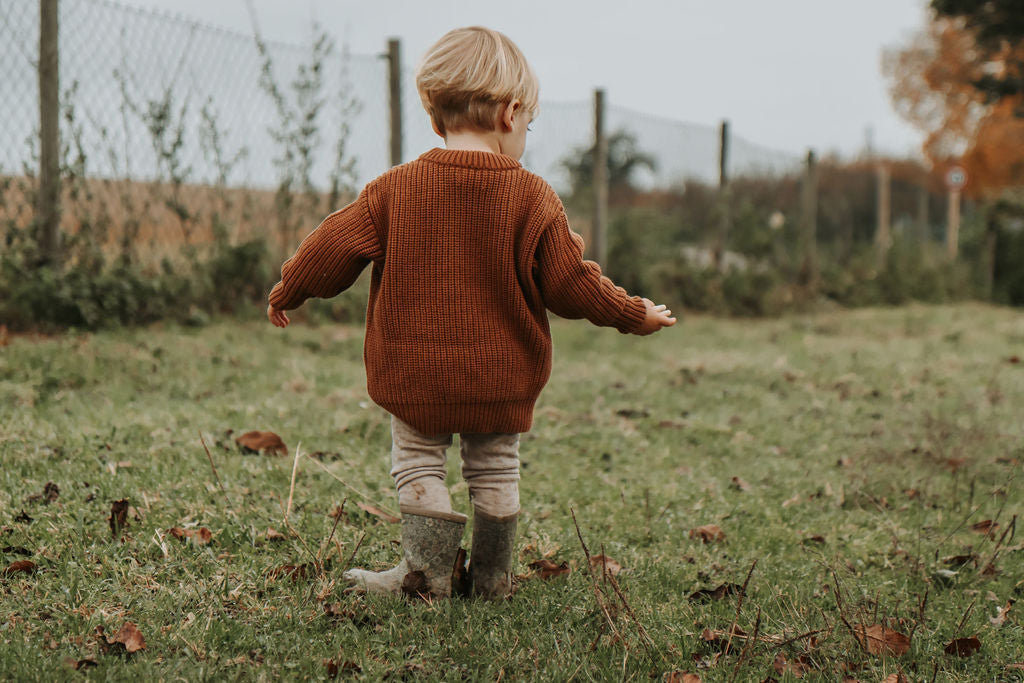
125,72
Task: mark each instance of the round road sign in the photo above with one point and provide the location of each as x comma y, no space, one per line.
956,178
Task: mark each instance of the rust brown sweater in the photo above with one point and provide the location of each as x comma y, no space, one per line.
469,251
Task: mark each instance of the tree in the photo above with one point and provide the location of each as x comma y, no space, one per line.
997,27
933,85
624,159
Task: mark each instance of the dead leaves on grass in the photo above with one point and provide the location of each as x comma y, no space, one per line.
963,647
546,569
262,442
129,637
709,533
200,536
20,567
709,594
881,640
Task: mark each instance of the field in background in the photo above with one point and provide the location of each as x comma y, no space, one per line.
866,461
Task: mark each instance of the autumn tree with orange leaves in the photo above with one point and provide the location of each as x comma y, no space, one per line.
937,83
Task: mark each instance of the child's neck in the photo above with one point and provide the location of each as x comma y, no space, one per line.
473,141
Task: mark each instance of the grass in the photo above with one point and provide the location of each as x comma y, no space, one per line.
864,446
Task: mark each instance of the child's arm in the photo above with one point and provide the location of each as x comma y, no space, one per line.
575,288
328,261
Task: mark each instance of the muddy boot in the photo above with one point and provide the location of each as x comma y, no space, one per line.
490,561
430,542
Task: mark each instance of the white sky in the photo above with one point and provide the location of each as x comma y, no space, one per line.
788,74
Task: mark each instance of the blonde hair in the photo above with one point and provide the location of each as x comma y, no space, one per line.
466,78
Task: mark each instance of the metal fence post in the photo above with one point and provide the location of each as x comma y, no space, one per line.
600,236
48,199
395,98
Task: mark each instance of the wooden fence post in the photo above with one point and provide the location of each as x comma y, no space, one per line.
48,199
600,236
883,211
724,203
809,222
395,99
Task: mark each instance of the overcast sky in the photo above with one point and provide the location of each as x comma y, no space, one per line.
788,74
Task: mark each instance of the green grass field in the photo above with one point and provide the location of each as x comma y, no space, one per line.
854,456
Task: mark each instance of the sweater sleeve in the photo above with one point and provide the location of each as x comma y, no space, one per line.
330,258
575,288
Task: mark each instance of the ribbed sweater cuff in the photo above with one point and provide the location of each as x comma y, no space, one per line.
632,316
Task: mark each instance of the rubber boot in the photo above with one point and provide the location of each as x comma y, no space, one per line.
490,561
430,543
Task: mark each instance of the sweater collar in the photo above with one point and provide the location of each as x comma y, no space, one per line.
470,159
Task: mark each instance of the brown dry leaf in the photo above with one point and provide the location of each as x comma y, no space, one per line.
709,594
118,517
985,527
1015,667
815,538
880,640
275,536
782,665
129,636
548,569
258,442
961,560
708,533
51,492
739,484
21,566
792,501
720,639
1013,360
200,536
334,667
1000,618
603,563
963,647
377,512
897,677
79,664
682,677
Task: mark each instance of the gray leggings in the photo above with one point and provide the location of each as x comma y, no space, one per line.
490,466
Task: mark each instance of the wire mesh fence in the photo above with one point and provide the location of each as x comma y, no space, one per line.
135,83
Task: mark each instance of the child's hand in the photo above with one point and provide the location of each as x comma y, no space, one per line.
657,318
279,317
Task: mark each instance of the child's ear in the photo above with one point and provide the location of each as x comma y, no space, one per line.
509,113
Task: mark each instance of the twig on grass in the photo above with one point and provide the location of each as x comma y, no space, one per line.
593,583
739,606
341,511
291,489
922,603
1011,527
364,496
842,615
216,476
351,557
963,619
746,646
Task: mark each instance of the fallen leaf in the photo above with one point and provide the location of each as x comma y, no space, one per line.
257,442
682,677
961,560
200,536
963,647
1000,618
605,564
548,569
709,594
880,640
720,639
1019,666
708,533
816,538
632,413
79,664
334,667
739,484
377,512
897,677
21,566
129,636
1013,360
792,501
985,527
23,518
118,517
795,667
275,536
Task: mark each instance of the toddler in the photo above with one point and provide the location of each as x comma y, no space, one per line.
468,253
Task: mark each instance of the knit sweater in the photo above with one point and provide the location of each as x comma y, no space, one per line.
468,252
